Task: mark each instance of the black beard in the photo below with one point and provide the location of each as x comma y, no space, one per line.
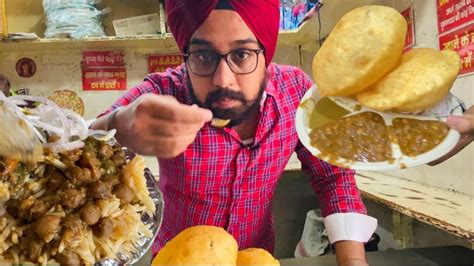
237,115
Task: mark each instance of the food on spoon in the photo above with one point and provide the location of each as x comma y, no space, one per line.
217,122
365,45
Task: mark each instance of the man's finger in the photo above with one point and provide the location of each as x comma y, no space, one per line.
175,111
169,147
463,124
167,128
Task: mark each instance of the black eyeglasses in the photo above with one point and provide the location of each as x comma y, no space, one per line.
205,62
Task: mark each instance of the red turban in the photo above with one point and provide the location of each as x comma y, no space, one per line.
261,16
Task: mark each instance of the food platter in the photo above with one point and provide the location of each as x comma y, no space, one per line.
83,198
141,243
315,112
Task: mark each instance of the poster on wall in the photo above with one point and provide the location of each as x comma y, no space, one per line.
25,67
103,70
160,62
461,41
410,18
453,14
455,30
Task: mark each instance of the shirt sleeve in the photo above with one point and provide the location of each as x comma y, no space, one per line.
338,195
335,187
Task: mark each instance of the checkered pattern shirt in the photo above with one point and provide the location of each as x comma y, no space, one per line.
218,180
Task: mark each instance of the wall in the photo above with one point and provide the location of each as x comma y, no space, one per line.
457,173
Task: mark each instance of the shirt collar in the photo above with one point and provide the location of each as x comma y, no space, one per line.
271,89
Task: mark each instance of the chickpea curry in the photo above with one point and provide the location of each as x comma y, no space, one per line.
365,137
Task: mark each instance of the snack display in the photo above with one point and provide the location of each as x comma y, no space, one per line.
68,100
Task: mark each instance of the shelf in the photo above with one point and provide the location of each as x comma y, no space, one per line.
302,35
110,42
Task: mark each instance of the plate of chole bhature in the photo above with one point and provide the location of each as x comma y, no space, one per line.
374,107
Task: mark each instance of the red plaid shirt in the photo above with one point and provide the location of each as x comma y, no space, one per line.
220,181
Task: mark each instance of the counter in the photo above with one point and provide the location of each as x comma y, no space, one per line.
449,255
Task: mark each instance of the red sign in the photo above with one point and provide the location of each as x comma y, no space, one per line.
103,70
102,58
461,41
107,78
454,13
160,62
410,40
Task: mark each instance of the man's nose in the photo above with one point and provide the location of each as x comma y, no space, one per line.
223,76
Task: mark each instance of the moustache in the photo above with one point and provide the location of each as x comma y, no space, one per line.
222,93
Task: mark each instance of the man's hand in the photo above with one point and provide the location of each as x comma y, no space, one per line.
350,253
465,125
158,125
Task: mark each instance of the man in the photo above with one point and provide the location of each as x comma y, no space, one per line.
227,176
5,85
465,125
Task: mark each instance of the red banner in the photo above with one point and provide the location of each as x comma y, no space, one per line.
461,41
106,78
410,18
160,62
103,70
454,13
102,58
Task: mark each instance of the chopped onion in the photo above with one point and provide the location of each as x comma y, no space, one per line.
102,135
62,117
62,147
19,102
56,162
80,123
48,118
11,105
51,129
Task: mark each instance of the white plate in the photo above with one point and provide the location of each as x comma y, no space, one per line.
450,105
